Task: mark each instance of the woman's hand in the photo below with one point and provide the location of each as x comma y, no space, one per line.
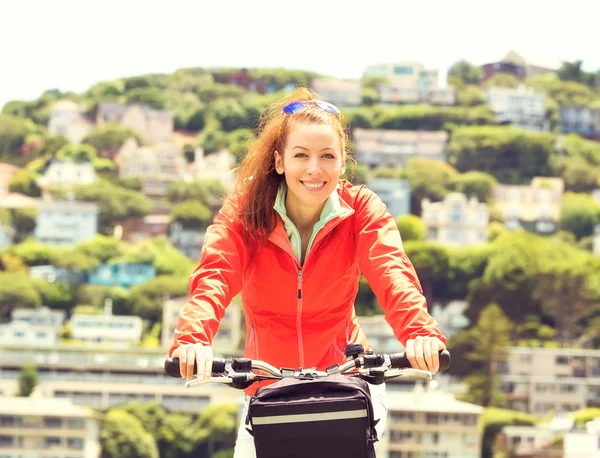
189,353
422,352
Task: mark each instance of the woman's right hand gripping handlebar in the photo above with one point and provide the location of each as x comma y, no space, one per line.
191,355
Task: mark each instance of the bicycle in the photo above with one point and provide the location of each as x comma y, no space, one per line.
330,409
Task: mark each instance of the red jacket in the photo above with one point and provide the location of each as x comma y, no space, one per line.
300,316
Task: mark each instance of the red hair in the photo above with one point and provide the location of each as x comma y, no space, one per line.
257,181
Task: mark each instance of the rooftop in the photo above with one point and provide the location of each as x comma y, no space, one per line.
41,406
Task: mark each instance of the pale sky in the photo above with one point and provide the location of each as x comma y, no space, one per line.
72,44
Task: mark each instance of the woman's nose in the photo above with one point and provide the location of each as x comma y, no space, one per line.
314,168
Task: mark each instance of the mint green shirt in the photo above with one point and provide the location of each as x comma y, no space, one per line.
331,209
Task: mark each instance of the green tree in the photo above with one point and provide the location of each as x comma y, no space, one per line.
76,153
17,291
115,203
431,263
566,292
411,227
122,434
578,175
579,214
464,72
474,183
571,71
239,143
191,214
13,132
565,93
148,96
470,96
208,192
55,295
108,138
230,113
502,80
34,253
429,179
147,299
28,379
510,155
213,139
25,182
491,338
216,426
23,222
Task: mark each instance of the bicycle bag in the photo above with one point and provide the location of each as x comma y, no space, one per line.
315,418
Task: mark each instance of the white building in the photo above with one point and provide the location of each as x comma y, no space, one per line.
585,443
520,107
456,220
123,329
46,427
40,326
395,194
66,222
596,246
215,166
188,241
432,423
67,118
342,93
226,341
66,174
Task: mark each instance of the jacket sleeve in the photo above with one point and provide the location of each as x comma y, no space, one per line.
216,280
388,270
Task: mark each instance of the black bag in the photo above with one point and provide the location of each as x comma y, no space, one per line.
323,417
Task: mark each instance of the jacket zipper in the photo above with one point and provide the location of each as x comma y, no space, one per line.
253,337
299,320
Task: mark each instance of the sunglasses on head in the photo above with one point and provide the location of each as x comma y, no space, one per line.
292,107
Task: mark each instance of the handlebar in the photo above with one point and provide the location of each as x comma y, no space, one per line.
224,366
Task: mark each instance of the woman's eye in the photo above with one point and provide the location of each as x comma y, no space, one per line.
300,155
329,156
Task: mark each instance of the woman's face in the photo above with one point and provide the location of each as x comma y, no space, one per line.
312,162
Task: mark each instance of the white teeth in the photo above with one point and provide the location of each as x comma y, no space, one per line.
313,186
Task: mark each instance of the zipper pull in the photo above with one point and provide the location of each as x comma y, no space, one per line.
299,283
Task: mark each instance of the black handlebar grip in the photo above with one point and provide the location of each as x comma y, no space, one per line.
172,366
400,361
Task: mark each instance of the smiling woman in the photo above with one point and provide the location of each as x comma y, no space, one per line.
295,238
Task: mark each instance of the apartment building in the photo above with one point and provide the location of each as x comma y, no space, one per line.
583,443
520,66
519,107
542,380
456,220
379,147
406,82
427,422
121,329
47,428
342,93
100,377
66,222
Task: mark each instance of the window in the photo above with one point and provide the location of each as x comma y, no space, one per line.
52,422
75,443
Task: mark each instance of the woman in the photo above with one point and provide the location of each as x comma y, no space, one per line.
294,239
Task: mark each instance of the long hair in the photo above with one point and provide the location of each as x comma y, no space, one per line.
257,181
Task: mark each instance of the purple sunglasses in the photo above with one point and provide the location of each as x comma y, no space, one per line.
292,107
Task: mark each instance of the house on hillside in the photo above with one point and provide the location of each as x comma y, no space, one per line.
68,118
121,274
155,125
395,194
584,121
535,207
456,221
519,66
66,222
379,147
519,107
156,166
67,174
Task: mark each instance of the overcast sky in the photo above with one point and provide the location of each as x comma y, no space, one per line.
72,44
